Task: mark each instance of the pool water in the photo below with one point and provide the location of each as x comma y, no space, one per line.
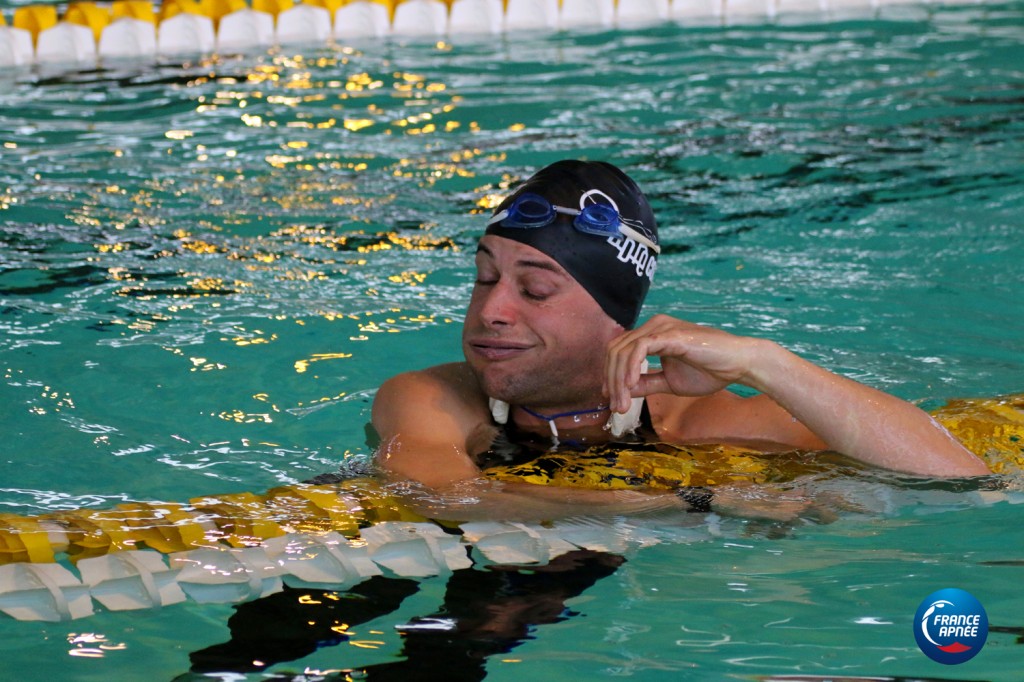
207,269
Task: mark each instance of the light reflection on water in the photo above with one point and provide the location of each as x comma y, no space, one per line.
206,272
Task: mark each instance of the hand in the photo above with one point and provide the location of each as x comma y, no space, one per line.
801,404
695,360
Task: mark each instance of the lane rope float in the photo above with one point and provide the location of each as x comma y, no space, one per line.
85,33
243,546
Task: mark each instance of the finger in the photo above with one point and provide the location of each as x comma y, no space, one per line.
635,364
614,379
650,384
629,365
624,361
613,374
614,361
634,377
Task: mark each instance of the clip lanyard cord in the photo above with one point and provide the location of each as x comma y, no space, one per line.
550,419
553,417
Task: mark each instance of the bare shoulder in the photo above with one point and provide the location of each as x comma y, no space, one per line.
442,386
688,418
726,417
438,403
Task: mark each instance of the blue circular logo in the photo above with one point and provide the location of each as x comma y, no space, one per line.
951,626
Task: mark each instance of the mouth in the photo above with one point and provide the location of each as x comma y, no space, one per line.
496,349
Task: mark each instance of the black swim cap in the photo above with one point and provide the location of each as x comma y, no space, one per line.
616,271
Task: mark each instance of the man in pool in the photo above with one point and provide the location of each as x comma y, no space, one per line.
552,351
552,354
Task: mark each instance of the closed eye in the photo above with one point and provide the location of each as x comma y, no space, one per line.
535,296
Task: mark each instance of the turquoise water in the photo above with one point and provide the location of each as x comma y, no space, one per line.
206,270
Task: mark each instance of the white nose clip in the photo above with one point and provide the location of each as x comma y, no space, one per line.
621,424
499,410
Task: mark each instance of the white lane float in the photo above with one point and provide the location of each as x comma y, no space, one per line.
147,579
85,33
244,546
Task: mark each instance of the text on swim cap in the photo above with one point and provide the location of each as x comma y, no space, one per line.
635,253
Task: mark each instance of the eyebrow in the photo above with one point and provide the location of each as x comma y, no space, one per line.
530,263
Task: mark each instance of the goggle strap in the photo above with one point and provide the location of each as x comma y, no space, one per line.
498,217
629,232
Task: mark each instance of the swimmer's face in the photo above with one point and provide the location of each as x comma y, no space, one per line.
533,336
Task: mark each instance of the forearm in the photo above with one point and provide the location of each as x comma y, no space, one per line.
857,420
483,499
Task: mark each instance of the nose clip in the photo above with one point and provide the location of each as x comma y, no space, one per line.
499,410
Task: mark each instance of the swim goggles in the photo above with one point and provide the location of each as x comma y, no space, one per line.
530,210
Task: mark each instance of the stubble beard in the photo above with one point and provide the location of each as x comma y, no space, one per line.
541,388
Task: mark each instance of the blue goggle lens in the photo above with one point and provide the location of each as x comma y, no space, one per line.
599,219
532,210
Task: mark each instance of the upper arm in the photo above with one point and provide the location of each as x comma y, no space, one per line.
757,421
428,427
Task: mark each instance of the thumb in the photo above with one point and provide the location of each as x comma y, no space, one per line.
649,384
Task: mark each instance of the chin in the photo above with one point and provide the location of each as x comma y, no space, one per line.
496,386
498,382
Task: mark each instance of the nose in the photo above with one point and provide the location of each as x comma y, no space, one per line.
496,303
